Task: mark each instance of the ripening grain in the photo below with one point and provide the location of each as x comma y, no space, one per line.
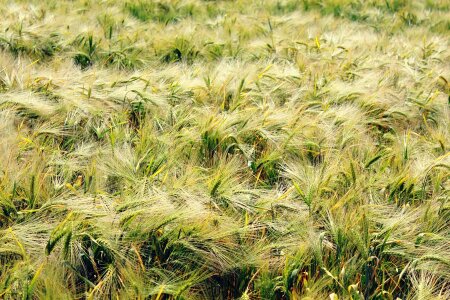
234,149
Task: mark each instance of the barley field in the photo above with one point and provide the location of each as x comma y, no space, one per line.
229,149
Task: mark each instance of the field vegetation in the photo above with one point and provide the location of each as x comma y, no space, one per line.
246,149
